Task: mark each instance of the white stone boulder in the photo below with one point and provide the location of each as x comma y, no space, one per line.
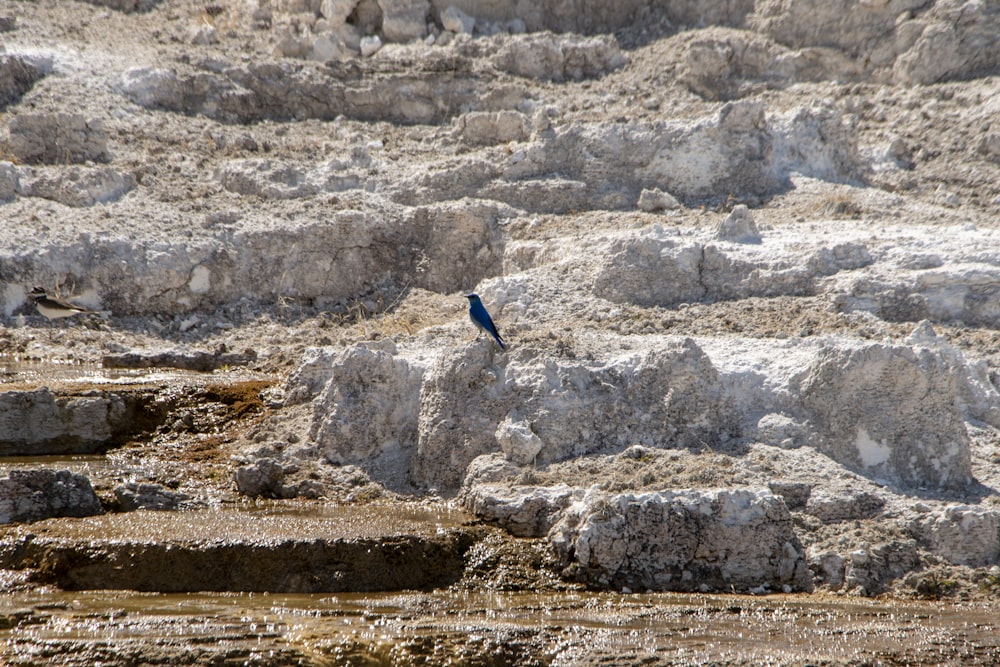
521,511
961,534
738,226
889,412
423,418
483,128
368,410
663,395
39,422
455,20
690,540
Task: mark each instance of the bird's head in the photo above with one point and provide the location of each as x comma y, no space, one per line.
473,298
37,292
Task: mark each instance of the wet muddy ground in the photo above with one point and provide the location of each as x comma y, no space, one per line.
463,628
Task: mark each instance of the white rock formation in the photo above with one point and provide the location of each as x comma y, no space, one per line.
961,534
39,422
738,226
890,412
682,540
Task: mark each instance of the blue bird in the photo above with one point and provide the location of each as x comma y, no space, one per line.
482,319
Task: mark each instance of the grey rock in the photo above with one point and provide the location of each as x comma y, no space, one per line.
738,226
682,540
263,477
961,534
39,422
654,199
18,74
41,493
56,138
833,507
551,57
521,511
134,496
76,186
889,412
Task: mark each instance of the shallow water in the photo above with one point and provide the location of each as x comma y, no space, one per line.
17,371
556,628
26,374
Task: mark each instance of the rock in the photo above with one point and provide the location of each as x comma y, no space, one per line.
650,269
18,74
518,442
133,496
989,146
656,200
815,141
41,493
313,372
425,419
264,478
782,431
724,64
521,511
738,226
56,138
76,186
203,35
337,11
370,45
367,412
255,91
482,128
871,569
841,257
961,534
404,20
39,422
688,540
9,181
551,57
953,41
889,412
829,568
574,408
327,47
455,20
831,508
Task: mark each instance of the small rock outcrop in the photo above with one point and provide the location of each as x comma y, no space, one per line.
41,493
889,412
39,422
56,139
682,540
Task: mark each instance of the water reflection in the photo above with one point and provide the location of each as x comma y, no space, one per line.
679,629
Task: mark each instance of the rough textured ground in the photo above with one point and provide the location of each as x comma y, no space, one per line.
747,246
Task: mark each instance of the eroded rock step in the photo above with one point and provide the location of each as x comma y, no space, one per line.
367,548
